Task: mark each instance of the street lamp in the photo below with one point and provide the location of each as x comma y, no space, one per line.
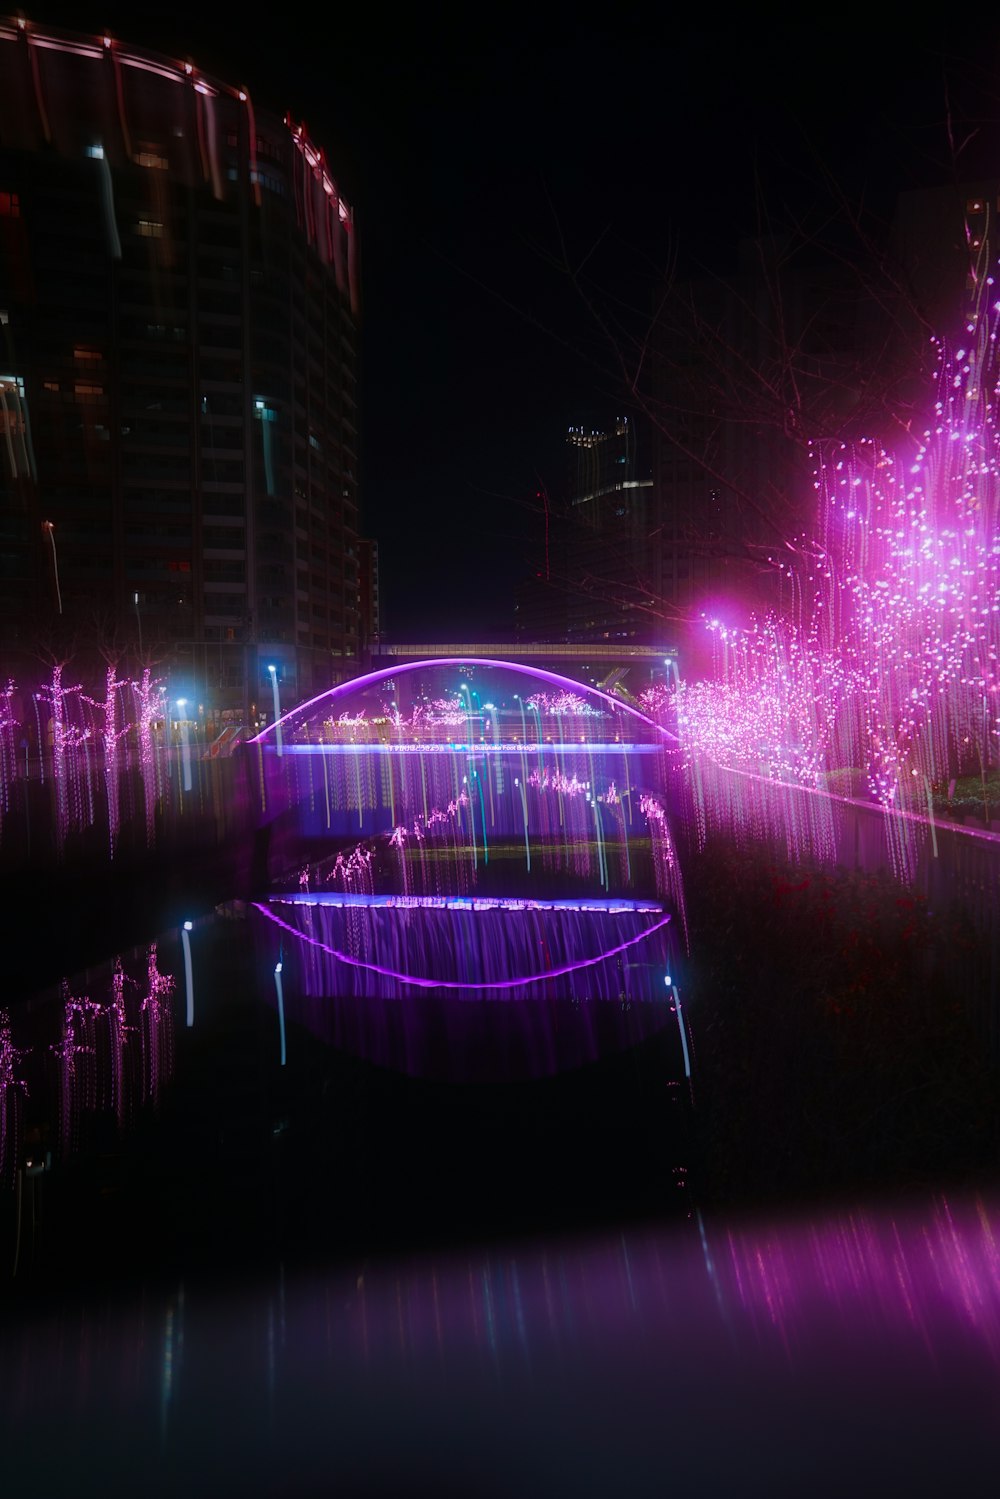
279,990
277,707
680,1023
50,528
188,981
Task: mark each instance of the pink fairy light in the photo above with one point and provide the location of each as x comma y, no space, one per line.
77,1080
119,1031
156,1027
555,780
665,863
885,660
151,706
353,872
13,1091
54,693
561,703
111,735
436,818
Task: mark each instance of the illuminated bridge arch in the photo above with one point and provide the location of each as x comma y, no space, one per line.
470,759
315,708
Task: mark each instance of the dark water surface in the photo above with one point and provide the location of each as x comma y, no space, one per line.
444,1247
854,1353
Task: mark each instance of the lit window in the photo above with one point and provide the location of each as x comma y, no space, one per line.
10,206
152,159
96,153
150,229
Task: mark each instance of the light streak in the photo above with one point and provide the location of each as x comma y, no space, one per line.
48,527
273,673
606,905
680,1026
188,978
476,985
280,992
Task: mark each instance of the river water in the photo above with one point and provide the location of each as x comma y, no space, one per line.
296,1203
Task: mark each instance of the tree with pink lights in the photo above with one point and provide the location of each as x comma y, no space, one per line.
151,708
110,717
13,1089
886,657
8,748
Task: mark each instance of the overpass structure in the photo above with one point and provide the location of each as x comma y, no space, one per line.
604,664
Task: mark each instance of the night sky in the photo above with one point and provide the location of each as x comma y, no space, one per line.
477,165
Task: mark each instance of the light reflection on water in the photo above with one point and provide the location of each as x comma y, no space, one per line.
99,1045
857,1349
472,990
853,1350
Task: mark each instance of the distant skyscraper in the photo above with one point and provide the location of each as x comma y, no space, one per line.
589,581
179,313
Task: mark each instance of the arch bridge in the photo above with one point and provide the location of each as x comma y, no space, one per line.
477,762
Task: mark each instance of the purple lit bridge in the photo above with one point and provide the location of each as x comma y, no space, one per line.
460,828
472,755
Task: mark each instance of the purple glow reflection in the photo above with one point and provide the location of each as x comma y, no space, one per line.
633,1352
449,747
915,1268
476,985
466,903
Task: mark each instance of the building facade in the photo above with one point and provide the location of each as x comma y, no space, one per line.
179,320
591,574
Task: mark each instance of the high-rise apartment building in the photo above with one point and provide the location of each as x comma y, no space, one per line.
179,310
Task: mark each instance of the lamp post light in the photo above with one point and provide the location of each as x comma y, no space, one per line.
672,987
279,990
185,745
277,707
188,979
50,528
